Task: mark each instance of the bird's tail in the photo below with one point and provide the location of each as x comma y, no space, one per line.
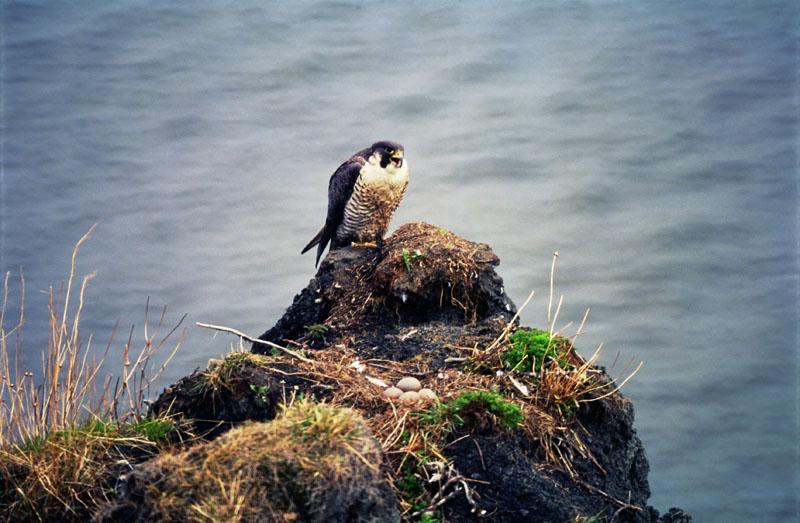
321,240
315,240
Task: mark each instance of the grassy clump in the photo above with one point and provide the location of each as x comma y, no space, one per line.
155,430
478,408
306,461
69,473
322,426
529,349
229,370
151,429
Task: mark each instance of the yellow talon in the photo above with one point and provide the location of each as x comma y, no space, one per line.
364,244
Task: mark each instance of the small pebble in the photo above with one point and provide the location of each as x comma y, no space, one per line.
428,395
408,384
392,392
409,397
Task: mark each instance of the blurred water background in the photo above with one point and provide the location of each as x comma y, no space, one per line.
654,145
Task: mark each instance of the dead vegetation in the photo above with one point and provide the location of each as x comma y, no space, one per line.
313,462
67,433
482,394
67,438
423,271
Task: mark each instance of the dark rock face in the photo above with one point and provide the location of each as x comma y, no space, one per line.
521,487
613,441
514,489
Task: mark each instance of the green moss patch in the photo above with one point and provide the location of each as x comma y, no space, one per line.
480,408
529,349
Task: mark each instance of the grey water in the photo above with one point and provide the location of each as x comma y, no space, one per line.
652,144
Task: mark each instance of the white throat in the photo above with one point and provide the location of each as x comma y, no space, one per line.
372,172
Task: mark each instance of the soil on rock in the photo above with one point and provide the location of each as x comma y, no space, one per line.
521,486
512,488
424,289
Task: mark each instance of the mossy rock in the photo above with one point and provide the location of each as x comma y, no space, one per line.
313,463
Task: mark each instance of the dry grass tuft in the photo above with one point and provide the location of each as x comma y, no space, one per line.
64,432
308,461
70,473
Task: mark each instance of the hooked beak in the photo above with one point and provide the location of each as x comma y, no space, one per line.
397,158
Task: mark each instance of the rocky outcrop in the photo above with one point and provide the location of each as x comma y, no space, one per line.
511,477
504,444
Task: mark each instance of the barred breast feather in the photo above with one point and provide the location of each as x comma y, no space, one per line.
371,206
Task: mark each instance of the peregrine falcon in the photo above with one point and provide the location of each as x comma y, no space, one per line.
362,196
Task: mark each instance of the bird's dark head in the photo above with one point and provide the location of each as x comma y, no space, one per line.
388,152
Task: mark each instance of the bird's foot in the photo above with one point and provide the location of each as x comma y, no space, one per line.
363,244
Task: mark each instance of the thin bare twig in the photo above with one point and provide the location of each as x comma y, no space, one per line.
503,335
552,284
253,340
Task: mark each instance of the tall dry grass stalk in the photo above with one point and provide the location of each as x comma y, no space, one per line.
71,386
